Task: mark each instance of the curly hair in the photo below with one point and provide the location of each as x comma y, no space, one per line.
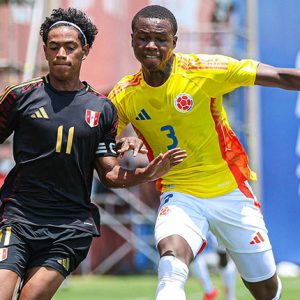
72,15
155,11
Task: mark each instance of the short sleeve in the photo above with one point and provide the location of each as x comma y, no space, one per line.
109,125
8,113
117,97
225,73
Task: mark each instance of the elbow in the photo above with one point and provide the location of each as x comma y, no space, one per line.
114,178
108,182
106,179
111,181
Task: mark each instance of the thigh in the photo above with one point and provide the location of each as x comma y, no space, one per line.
61,249
238,223
178,215
254,267
14,250
175,245
9,284
258,271
41,283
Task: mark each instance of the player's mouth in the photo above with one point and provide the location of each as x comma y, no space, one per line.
151,56
62,65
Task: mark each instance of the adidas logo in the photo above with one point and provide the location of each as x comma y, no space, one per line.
65,263
40,114
143,116
257,238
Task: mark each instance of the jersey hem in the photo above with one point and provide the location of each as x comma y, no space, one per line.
95,232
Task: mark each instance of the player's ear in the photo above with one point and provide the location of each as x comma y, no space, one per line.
86,51
175,41
45,51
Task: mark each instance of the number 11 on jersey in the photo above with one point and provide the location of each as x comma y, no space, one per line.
69,140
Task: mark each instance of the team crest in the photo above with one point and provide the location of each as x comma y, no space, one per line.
183,103
3,254
164,211
92,117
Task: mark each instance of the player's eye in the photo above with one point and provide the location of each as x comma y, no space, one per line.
142,38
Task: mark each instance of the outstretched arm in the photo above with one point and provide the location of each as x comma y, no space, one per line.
113,175
285,78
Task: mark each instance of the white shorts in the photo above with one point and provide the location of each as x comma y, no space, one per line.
234,219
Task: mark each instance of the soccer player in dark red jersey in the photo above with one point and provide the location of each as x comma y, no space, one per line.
63,129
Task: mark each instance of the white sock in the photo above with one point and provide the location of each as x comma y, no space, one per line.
172,275
201,272
229,279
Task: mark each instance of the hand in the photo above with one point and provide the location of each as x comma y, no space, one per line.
131,143
164,162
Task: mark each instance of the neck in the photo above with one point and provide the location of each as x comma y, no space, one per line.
65,84
159,76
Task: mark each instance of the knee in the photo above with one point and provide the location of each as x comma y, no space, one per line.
171,269
176,246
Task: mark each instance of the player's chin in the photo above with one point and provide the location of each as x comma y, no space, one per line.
61,75
151,65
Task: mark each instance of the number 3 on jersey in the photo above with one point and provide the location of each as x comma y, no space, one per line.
171,135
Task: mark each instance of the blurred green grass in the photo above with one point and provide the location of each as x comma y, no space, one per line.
142,287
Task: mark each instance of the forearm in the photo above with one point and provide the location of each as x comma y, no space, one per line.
122,178
285,78
290,79
113,175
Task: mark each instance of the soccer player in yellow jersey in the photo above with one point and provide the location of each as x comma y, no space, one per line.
175,100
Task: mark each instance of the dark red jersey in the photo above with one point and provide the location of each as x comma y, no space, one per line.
57,136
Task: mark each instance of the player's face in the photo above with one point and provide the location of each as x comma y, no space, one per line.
64,53
153,42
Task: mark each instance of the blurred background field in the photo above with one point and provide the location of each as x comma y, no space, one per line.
142,287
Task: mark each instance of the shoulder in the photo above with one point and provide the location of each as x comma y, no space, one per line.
18,90
126,86
197,62
94,92
100,98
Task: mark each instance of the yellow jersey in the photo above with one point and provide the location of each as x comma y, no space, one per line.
187,112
